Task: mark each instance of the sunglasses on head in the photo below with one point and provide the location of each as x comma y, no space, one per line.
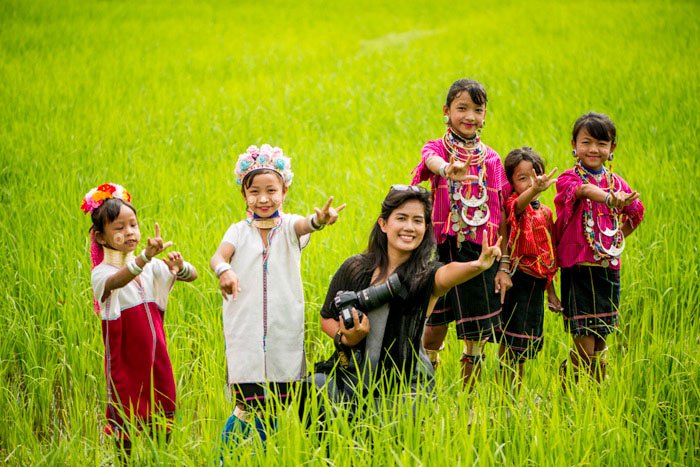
413,188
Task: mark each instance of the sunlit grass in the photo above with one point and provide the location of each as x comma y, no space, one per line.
161,98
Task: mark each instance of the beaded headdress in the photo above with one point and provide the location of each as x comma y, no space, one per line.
265,157
94,198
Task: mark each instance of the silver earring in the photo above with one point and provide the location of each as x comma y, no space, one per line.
611,156
445,119
483,124
573,153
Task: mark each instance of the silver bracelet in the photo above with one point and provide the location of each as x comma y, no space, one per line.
134,268
144,257
185,272
221,268
442,170
506,270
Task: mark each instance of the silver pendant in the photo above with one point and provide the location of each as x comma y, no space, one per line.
604,263
474,202
455,227
614,262
613,250
590,222
480,217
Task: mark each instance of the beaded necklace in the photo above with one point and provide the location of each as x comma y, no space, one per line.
609,255
461,221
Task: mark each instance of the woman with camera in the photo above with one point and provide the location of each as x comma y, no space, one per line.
380,349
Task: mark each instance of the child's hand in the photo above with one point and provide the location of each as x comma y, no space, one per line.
502,281
328,215
541,182
155,245
621,199
458,171
489,254
228,283
174,261
553,303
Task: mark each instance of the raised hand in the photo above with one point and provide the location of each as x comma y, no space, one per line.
489,253
328,215
174,261
541,182
156,245
458,170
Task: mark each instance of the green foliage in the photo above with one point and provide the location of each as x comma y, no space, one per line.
162,97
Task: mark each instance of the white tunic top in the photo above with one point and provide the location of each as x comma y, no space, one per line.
156,280
264,326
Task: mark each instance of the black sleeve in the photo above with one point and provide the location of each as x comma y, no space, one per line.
347,277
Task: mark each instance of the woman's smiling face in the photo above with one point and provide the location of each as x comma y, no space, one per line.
405,227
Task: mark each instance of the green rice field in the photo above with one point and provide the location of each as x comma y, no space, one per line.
161,97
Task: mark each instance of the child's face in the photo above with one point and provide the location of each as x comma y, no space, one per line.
265,194
590,151
405,227
123,234
464,116
521,176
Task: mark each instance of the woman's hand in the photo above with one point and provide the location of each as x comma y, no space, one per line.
359,330
155,245
489,254
228,283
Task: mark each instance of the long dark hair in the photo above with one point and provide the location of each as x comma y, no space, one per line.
377,256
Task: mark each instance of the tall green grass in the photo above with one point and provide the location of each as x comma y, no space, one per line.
162,97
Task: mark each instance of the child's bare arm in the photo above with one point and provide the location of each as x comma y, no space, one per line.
220,264
327,215
539,184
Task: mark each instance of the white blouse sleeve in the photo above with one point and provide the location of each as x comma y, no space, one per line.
110,308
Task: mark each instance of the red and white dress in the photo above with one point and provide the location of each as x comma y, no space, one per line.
140,379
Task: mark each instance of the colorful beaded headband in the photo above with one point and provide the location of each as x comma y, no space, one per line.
266,157
95,197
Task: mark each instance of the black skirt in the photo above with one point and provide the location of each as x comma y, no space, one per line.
591,300
474,306
522,319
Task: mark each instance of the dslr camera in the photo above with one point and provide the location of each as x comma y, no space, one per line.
368,299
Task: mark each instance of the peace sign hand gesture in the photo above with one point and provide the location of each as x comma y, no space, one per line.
328,215
458,170
541,182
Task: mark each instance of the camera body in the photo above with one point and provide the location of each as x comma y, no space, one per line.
364,300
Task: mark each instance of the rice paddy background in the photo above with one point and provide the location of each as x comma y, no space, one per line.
161,97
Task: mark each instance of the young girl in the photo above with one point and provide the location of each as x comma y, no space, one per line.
131,294
468,186
533,262
258,266
388,338
596,210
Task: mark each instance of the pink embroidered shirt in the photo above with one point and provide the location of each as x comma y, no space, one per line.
572,246
497,186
